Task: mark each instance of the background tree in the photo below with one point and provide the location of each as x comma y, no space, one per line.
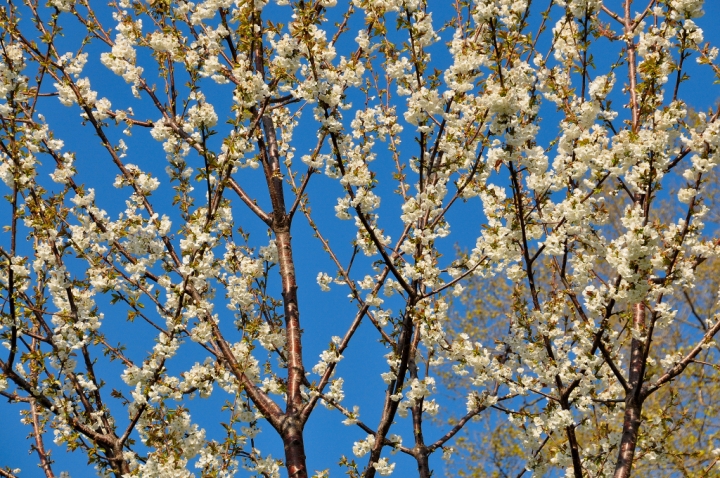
689,420
277,122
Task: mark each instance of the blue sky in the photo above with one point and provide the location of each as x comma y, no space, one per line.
323,315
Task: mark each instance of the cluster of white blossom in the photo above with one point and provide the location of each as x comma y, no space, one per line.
327,357
545,207
122,60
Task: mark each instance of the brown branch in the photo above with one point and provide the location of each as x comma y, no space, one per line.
44,456
687,360
454,430
249,202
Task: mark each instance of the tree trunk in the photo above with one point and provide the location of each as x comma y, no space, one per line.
423,463
421,451
633,398
631,427
574,451
294,444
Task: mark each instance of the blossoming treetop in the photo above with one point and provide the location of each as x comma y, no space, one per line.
269,115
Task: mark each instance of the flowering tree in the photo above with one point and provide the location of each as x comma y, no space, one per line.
687,421
268,116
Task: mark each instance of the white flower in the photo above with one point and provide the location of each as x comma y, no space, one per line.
324,281
202,115
269,253
383,467
362,447
685,195
354,416
63,5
